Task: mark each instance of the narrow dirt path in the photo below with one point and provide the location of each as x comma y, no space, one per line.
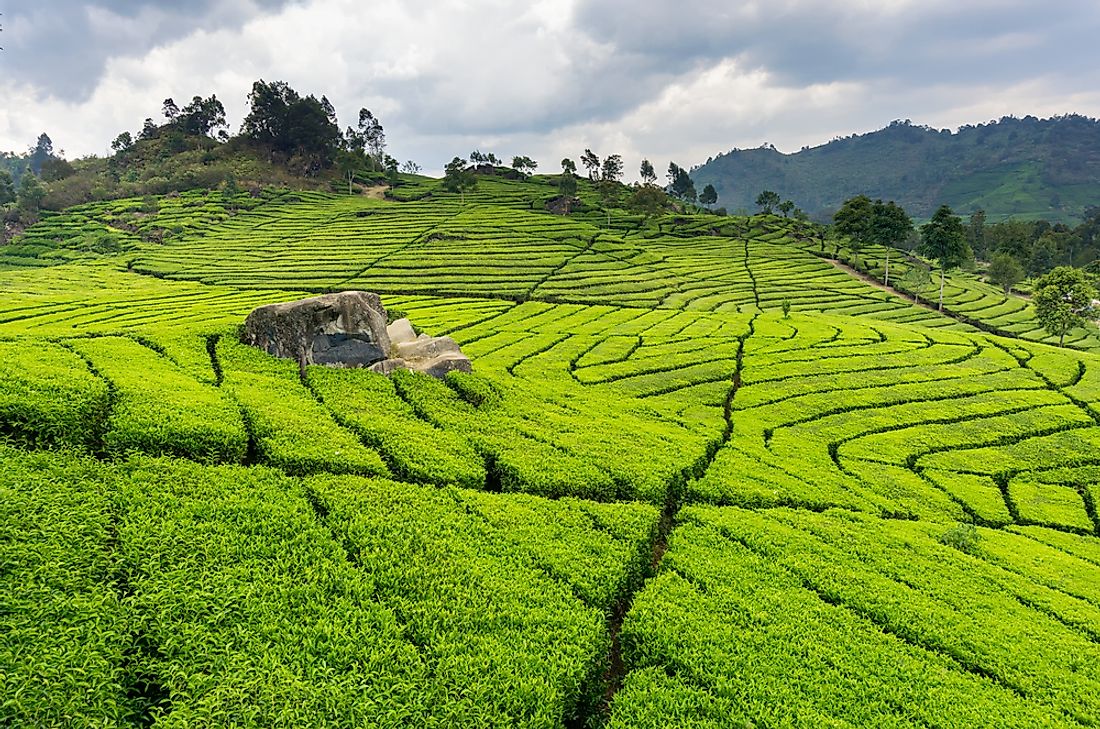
872,281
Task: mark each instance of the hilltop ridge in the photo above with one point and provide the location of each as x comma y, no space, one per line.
1019,167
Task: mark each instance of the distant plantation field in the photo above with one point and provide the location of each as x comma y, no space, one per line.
658,500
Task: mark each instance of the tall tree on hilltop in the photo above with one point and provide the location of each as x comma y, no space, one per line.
591,163
568,166
373,136
201,117
40,153
648,174
680,183
567,188
524,165
289,124
943,238
122,142
709,195
786,207
767,201
612,168
457,178
855,219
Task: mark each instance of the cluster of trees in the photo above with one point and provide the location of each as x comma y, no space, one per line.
1063,295
20,200
460,175
769,201
1037,246
285,137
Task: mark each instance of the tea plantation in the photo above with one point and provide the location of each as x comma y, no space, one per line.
658,501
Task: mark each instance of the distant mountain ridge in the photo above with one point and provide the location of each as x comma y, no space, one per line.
1014,167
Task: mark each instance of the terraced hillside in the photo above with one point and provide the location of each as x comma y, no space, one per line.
657,502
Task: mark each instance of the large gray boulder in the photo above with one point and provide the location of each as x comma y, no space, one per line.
347,329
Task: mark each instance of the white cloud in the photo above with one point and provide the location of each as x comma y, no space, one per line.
551,77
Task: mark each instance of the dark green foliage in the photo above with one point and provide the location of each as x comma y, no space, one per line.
591,163
612,168
963,537
680,184
30,195
855,219
1015,167
524,165
302,128
767,201
1063,300
709,195
7,188
457,178
944,239
1005,272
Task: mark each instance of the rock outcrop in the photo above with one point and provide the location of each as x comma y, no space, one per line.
434,355
349,329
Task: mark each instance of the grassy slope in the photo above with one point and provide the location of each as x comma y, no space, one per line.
815,469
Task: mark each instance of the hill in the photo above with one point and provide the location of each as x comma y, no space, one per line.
659,500
1024,168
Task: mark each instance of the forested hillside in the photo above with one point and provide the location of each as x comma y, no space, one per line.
1026,168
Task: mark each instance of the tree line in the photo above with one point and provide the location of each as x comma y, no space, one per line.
1063,295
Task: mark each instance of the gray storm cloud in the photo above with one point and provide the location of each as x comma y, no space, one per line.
682,79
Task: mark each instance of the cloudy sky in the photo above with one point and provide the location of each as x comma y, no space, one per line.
678,80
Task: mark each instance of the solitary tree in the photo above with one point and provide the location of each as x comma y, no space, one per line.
40,152
680,184
524,165
890,225
348,162
591,163
410,168
458,179
1005,271
373,136
786,207
943,238
612,168
1063,300
767,200
709,195
567,188
568,166
609,192
854,219
122,142
201,117
648,200
648,174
